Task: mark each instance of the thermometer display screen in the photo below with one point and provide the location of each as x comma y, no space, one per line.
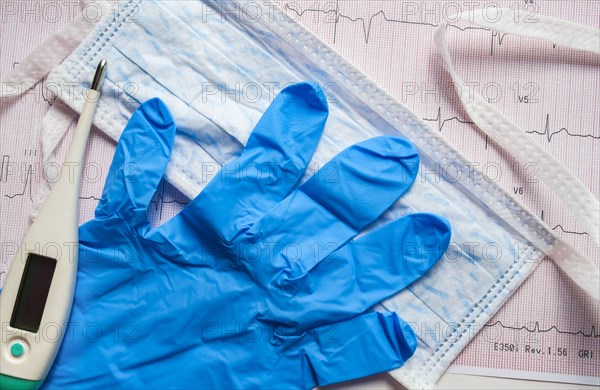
33,293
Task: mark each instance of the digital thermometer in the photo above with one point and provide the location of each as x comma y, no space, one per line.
38,291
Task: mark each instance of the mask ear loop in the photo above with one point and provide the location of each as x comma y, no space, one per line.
52,51
38,65
55,125
573,193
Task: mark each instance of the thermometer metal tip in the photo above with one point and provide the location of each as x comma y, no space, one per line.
99,76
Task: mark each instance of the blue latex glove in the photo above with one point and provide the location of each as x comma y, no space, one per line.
257,283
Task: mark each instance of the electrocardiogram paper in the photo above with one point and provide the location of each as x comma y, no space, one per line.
549,330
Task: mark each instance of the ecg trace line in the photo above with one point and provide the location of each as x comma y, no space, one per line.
549,134
91,197
559,226
441,123
50,100
367,26
159,201
26,186
536,329
500,36
546,132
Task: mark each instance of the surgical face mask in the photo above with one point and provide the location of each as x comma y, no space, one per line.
217,65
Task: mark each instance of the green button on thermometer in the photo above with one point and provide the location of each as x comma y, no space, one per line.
17,350
38,290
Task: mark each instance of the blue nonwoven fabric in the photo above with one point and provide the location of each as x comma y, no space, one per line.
259,282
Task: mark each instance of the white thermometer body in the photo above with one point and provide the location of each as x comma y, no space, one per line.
36,298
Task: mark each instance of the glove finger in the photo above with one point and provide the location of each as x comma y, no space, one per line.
362,346
364,272
328,210
274,160
141,157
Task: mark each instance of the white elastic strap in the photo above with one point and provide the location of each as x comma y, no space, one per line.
518,22
55,125
573,193
577,267
50,53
